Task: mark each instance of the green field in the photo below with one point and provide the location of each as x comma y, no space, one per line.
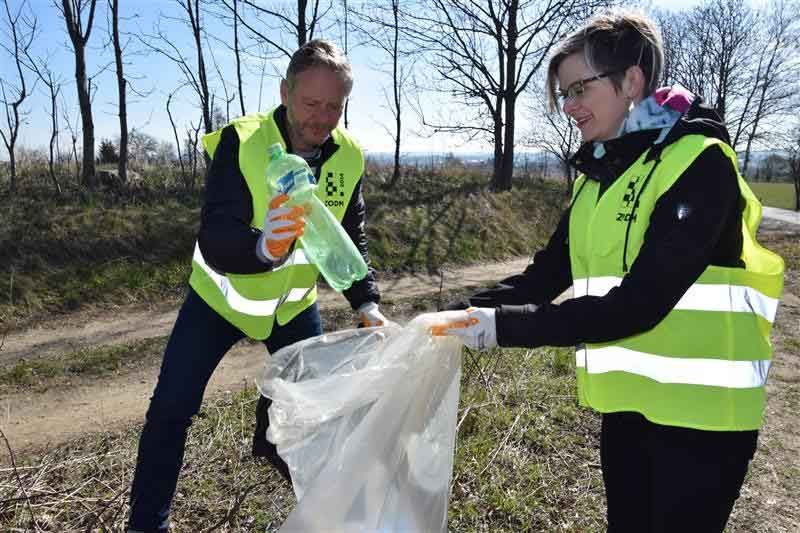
775,194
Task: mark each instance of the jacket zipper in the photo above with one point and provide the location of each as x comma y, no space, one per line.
633,211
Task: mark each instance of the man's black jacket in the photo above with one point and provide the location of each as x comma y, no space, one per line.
227,241
676,249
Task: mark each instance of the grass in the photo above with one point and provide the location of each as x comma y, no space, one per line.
526,460
779,195
42,374
60,254
63,253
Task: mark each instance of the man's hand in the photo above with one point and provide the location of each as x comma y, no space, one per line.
282,226
475,326
370,316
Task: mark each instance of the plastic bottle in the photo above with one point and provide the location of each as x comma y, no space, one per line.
324,240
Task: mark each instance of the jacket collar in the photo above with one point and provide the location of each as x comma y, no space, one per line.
620,153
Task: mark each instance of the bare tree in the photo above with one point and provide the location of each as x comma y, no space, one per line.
192,143
53,84
484,55
73,134
672,29
300,24
195,76
772,89
237,54
177,139
555,134
229,97
712,58
382,29
22,31
793,152
192,8
121,91
72,11
345,35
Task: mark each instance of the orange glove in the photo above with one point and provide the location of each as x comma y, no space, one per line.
475,327
282,226
369,316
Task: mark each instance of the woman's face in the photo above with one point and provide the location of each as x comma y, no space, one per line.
599,109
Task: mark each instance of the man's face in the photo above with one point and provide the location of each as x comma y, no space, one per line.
314,105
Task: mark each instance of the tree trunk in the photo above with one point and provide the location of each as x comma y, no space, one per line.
75,155
510,97
53,139
507,169
302,30
79,40
123,112
236,52
12,162
397,99
184,179
497,167
87,124
797,194
194,18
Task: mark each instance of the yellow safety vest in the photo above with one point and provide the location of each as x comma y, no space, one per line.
705,364
252,302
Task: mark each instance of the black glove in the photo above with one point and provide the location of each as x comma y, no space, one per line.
458,305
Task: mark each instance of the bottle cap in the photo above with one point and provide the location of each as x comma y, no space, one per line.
275,151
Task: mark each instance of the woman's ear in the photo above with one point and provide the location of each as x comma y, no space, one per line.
633,83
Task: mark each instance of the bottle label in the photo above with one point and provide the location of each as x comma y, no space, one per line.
287,183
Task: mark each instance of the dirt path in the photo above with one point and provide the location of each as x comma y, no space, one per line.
108,402
95,328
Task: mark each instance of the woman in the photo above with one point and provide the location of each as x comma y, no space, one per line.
673,297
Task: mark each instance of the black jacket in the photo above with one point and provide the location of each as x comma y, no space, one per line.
227,241
674,253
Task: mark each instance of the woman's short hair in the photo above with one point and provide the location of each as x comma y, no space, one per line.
612,41
319,53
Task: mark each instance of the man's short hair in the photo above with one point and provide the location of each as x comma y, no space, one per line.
319,53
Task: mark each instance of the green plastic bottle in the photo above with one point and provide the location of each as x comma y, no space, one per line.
324,240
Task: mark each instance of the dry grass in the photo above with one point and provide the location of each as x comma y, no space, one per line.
526,460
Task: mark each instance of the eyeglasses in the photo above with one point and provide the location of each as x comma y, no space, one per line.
577,88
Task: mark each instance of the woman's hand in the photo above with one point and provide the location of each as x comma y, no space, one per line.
474,326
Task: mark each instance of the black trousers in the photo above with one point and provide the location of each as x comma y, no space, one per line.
671,479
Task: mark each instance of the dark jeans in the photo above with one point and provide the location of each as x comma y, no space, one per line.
199,340
667,479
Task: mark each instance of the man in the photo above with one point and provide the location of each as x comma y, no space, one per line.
249,278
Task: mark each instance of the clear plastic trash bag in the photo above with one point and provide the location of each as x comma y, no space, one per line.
366,421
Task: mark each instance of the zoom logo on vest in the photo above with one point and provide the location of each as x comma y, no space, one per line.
334,187
629,202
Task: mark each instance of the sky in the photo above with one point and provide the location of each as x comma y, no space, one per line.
155,76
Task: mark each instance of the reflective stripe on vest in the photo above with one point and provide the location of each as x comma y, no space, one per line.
685,370
699,297
240,303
